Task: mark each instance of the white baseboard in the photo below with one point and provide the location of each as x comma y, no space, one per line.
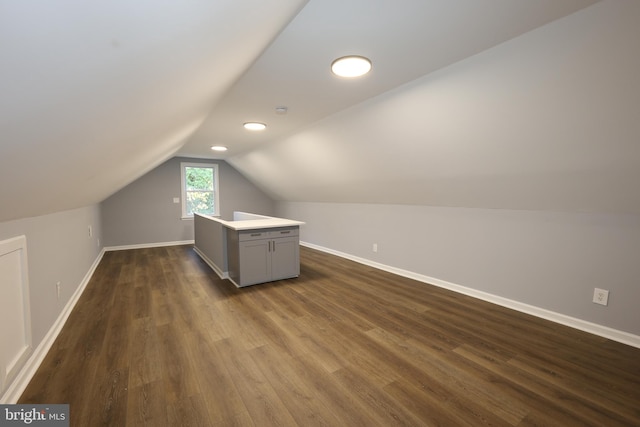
220,273
19,384
583,325
148,245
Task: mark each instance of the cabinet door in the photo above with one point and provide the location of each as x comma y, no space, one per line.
285,258
255,262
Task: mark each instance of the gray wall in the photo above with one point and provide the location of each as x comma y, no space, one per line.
143,212
550,260
211,241
58,249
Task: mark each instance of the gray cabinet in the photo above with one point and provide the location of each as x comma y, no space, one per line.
264,255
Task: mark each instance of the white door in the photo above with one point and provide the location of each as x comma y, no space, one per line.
15,319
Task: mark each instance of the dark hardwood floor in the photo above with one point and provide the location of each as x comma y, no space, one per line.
158,339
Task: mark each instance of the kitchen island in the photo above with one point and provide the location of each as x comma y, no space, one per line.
251,249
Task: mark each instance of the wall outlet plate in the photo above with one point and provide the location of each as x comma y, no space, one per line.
600,296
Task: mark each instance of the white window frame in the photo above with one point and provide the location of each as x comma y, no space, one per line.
183,187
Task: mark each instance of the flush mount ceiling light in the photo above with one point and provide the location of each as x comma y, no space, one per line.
254,126
219,148
351,66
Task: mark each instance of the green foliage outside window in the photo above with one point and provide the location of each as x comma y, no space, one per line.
199,187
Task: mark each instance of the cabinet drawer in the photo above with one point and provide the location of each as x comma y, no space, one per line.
253,235
243,236
284,232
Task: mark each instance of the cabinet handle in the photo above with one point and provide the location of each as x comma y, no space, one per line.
285,232
256,234
274,246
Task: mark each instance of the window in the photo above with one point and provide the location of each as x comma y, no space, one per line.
199,189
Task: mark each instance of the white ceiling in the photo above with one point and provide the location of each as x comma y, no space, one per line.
405,40
93,95
546,121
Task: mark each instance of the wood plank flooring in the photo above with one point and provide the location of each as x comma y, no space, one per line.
157,339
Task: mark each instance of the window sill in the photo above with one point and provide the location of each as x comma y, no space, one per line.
191,217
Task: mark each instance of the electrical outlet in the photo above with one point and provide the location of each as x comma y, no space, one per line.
600,296
176,200
58,289
375,247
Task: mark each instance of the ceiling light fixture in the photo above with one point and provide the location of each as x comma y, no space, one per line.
254,126
351,66
219,148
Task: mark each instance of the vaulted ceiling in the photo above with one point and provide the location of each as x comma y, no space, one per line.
95,94
405,40
457,111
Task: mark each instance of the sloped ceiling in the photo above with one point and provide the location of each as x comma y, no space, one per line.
95,95
405,39
546,121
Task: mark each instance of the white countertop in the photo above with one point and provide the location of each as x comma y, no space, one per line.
254,224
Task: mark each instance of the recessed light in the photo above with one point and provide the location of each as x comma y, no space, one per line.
219,148
351,66
254,126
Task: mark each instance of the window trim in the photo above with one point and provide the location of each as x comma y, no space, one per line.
183,187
